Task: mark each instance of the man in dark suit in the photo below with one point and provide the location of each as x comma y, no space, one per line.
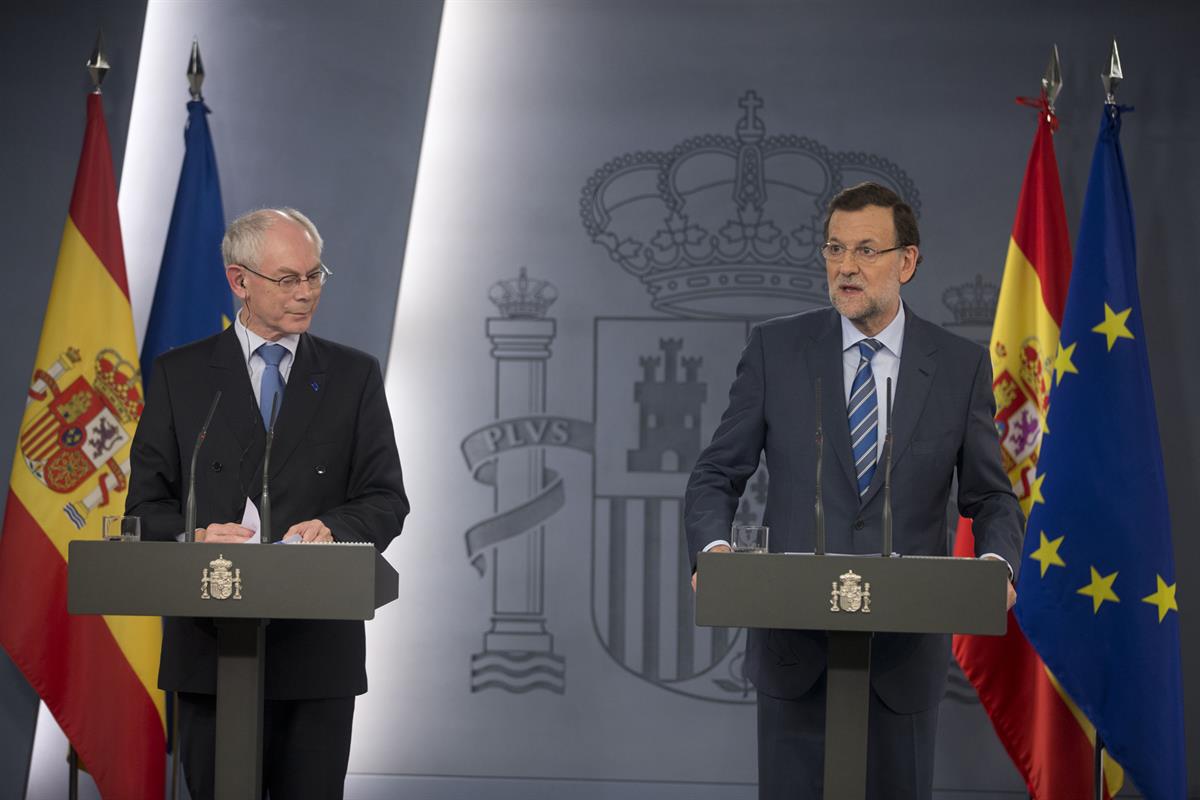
335,477
943,426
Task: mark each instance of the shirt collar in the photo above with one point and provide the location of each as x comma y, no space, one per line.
251,341
891,337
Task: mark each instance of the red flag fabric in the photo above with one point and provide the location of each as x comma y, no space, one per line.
97,675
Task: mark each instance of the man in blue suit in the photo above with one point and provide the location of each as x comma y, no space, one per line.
943,426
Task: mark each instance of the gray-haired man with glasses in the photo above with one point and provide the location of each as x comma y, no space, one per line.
943,429
335,476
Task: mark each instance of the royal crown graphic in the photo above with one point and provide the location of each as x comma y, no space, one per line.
118,380
728,227
523,297
972,303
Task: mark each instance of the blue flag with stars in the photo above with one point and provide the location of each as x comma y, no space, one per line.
1096,595
192,298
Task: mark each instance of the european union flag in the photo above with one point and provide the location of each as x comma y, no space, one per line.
1097,591
192,298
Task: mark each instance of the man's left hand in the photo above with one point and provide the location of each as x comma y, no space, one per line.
307,532
1012,590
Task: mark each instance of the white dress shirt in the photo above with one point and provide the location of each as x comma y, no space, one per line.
251,341
885,365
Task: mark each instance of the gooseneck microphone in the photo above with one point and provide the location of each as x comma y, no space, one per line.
818,502
887,477
264,511
189,517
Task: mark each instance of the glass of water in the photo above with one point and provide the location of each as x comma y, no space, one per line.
749,538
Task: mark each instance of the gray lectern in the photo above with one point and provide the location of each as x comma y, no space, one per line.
851,597
241,587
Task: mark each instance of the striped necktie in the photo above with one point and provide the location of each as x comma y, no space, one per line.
863,410
271,384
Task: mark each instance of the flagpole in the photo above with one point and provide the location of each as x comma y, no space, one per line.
1110,80
72,773
97,67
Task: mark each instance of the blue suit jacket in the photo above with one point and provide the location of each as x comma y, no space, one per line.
943,424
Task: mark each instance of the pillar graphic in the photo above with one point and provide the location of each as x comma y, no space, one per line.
518,650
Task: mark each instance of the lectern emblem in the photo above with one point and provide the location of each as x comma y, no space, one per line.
853,595
221,583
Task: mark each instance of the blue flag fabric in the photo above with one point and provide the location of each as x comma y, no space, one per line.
192,299
1097,589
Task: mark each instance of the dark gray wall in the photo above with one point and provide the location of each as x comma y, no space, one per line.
43,47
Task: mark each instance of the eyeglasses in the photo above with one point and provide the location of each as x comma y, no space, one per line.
835,252
315,279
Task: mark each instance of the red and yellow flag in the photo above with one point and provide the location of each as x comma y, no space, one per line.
1046,735
97,675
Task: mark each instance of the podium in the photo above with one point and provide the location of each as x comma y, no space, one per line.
241,587
851,597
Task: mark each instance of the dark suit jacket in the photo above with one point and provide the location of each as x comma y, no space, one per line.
943,423
334,458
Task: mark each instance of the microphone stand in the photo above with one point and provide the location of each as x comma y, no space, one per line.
189,517
264,511
818,503
887,478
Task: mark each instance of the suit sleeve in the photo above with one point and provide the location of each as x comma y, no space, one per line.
155,481
729,461
376,503
985,494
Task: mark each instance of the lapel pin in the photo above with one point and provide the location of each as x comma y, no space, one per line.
316,387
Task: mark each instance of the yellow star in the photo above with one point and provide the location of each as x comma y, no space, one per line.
1062,362
1114,326
1100,589
1047,554
1035,490
1164,598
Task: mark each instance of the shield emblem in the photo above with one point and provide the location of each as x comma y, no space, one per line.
660,389
77,433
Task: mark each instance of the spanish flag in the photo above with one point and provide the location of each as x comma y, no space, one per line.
97,675
1045,734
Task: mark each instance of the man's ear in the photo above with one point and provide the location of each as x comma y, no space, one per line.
237,280
908,270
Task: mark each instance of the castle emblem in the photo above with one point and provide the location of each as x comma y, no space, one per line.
853,595
221,583
668,412
81,427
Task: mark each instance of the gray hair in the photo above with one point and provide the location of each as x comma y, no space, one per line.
243,238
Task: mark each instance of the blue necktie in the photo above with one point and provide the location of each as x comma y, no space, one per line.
864,416
271,385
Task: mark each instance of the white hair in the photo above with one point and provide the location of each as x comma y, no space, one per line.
244,236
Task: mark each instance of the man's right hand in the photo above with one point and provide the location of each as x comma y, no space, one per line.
720,548
229,532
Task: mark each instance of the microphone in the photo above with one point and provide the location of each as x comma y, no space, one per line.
189,518
264,509
818,504
887,477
